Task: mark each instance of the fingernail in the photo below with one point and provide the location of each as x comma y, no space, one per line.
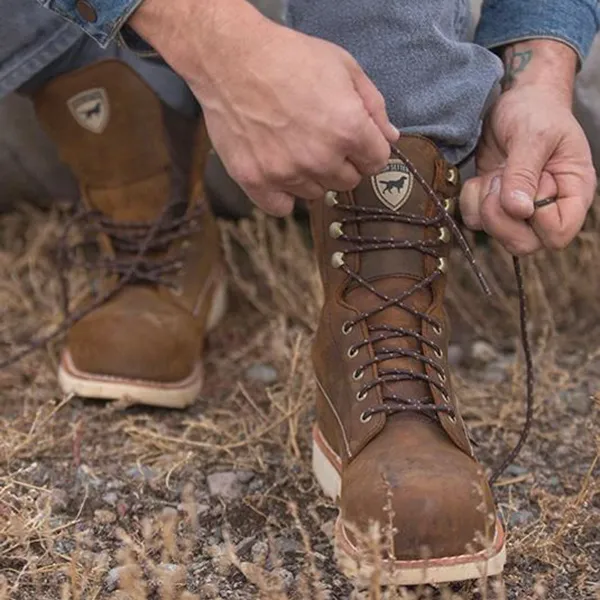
395,131
523,199
495,185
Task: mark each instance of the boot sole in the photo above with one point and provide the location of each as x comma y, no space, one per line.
327,469
177,394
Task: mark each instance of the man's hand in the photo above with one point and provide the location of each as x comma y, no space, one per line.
288,114
532,148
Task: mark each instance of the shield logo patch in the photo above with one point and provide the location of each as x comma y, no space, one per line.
393,185
91,109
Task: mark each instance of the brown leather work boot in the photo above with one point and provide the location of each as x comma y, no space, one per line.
142,193
389,442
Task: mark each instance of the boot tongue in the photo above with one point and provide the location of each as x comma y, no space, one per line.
393,271
140,202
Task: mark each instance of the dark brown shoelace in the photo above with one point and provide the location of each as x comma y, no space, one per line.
139,257
392,403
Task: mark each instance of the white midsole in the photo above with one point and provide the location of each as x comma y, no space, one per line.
434,571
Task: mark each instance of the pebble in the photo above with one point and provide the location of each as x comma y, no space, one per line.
110,498
104,517
483,352
262,373
520,517
140,472
285,577
259,552
245,476
111,582
59,500
456,355
516,470
580,403
286,545
224,484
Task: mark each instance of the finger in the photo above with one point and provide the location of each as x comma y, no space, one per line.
308,190
346,178
278,204
370,151
558,223
471,197
514,234
374,103
521,178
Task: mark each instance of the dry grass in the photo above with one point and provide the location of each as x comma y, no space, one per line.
86,487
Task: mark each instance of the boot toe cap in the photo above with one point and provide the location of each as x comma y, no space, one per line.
135,343
438,509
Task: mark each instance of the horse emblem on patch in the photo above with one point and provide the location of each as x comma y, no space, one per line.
393,185
91,109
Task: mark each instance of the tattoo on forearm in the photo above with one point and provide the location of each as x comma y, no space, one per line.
515,63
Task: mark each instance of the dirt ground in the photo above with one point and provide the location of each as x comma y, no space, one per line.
101,500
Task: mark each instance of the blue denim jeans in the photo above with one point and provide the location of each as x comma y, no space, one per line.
435,81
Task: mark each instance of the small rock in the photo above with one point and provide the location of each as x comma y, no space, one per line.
111,582
456,355
225,484
110,498
516,470
104,517
286,545
59,500
327,528
580,403
244,476
285,577
520,517
262,373
260,552
256,485
141,472
483,352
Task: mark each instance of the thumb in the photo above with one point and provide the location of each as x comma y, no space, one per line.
374,103
521,179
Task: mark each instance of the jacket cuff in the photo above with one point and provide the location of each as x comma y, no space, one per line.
574,22
100,19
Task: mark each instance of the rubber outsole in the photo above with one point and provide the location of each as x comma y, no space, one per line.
179,394
488,563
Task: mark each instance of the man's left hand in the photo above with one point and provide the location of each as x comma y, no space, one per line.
532,148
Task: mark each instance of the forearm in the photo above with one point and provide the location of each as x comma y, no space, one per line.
547,63
221,29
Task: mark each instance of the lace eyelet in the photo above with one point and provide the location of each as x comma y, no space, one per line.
442,265
445,398
361,396
452,418
185,245
364,418
437,329
452,175
337,260
438,353
443,377
335,230
352,352
347,327
444,235
177,290
331,198
447,204
358,374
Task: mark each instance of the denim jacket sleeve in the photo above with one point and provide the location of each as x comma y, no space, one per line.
574,22
101,19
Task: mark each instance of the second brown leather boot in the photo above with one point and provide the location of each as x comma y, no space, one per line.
157,253
389,442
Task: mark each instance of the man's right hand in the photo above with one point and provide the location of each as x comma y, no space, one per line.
289,115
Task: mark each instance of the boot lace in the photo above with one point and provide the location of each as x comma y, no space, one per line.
443,221
139,258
